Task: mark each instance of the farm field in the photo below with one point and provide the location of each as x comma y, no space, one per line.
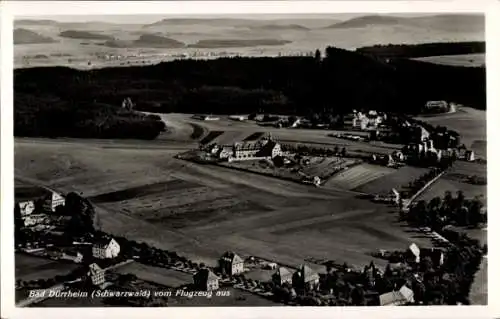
162,276
397,179
201,211
470,60
33,268
358,175
469,122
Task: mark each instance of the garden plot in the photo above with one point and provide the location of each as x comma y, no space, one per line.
358,175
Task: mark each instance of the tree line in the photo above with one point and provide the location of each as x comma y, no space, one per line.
424,49
439,212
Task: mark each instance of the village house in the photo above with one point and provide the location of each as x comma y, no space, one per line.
435,254
232,264
52,201
105,247
305,278
281,276
96,274
397,298
206,280
74,256
414,253
26,207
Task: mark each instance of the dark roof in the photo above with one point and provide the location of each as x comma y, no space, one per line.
231,257
205,275
102,241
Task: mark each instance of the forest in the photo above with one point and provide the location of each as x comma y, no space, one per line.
424,50
89,101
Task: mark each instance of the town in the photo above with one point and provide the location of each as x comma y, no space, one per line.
60,227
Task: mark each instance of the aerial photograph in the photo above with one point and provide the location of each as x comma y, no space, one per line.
250,160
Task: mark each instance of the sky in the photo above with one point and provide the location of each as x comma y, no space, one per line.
143,19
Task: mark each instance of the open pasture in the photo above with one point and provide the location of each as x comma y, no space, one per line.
397,179
32,268
358,175
162,276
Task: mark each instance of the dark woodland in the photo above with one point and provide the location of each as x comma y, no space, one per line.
59,101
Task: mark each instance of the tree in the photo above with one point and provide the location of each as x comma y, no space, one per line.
317,55
343,153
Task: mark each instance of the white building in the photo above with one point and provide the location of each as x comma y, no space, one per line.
35,219
105,248
26,207
52,201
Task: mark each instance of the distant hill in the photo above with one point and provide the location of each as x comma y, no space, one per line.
184,21
146,41
281,27
75,34
157,41
237,43
29,22
25,36
364,21
448,22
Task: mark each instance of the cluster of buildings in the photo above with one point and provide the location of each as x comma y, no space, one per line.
39,213
437,106
304,278
266,148
426,150
367,121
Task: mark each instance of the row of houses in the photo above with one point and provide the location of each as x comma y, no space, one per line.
232,264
